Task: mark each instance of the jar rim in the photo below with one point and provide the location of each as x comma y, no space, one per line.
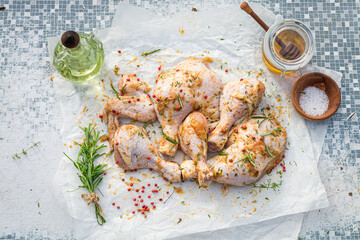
279,62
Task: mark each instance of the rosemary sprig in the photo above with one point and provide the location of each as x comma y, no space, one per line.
179,98
123,89
146,124
91,174
24,151
256,117
271,132
273,185
169,138
251,160
268,150
114,91
150,52
240,159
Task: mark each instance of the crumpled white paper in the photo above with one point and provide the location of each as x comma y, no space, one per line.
233,40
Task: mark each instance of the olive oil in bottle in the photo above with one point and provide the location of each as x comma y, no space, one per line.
78,57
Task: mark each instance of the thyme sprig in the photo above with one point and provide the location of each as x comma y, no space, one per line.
150,52
24,151
114,91
90,174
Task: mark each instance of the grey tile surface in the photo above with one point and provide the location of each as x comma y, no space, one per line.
27,97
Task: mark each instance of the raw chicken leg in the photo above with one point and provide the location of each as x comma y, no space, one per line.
255,147
189,85
193,136
133,103
238,100
134,150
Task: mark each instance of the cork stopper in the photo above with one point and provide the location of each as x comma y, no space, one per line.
70,39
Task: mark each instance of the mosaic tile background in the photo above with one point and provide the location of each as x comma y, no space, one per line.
27,101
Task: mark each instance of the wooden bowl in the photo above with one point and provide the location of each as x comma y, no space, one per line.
318,79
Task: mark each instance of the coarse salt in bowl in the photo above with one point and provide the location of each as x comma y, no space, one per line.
314,101
316,96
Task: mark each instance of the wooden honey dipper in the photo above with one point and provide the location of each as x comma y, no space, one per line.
288,50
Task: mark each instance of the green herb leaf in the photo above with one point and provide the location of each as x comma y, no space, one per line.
150,52
114,91
241,159
268,150
146,124
179,98
169,138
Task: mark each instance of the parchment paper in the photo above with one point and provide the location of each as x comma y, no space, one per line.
233,41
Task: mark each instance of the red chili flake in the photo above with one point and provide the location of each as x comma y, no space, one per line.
118,207
104,173
141,200
243,150
138,99
136,204
117,144
152,203
205,96
128,79
230,160
223,130
154,96
142,191
226,70
101,116
164,178
150,169
149,184
138,65
253,138
113,204
123,179
156,81
181,90
135,170
155,185
160,199
129,189
134,74
261,138
133,212
177,108
284,156
243,127
122,94
129,101
137,190
154,207
125,171
116,162
148,158
157,99
131,184
143,187
119,51
277,162
113,111
177,70
167,192
236,131
241,79
267,108
149,196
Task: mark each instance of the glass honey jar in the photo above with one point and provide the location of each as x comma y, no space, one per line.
293,37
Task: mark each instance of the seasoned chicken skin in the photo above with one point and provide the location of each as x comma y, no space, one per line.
238,100
134,150
133,103
254,148
193,142
188,86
